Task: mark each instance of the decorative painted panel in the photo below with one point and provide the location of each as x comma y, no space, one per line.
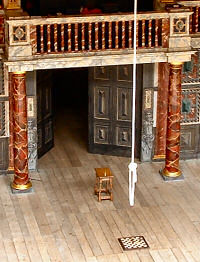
124,73
2,118
3,153
190,106
124,104
189,140
190,71
2,32
179,25
1,80
101,72
102,103
101,134
19,33
39,137
147,126
123,136
32,144
48,131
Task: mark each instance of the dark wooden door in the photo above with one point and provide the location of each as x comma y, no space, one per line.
110,110
44,112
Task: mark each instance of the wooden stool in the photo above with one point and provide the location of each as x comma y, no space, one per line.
103,184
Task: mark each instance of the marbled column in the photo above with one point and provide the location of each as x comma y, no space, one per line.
173,122
11,141
21,178
162,108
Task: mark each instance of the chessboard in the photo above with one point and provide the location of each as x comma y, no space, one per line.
131,243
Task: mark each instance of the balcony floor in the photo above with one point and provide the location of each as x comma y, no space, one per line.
62,221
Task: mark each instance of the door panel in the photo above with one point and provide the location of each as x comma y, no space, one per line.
44,112
110,110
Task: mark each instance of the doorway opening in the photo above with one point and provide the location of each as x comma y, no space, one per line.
62,100
88,110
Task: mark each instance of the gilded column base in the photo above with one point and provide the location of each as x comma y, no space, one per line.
21,188
171,176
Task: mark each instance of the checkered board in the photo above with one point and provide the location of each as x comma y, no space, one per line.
131,243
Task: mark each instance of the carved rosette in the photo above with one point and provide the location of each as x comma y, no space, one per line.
173,122
21,178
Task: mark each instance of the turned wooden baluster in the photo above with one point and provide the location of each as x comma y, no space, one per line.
90,36
69,37
48,38
34,39
83,36
191,21
156,33
76,37
130,39
62,37
55,38
123,34
150,33
110,35
103,36
165,32
96,36
197,20
143,33
116,34
41,38
137,40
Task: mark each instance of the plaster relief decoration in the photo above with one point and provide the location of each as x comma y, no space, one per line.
179,25
19,33
147,129
32,144
190,71
2,118
190,106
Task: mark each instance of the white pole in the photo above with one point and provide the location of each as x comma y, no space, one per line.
133,166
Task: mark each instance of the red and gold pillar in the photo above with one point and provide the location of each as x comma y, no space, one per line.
172,170
20,137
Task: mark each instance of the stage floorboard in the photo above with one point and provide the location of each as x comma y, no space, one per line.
62,221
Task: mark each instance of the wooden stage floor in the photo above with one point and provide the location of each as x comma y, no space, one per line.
62,221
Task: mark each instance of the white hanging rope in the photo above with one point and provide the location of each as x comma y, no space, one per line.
133,166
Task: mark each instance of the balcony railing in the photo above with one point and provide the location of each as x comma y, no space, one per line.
98,33
28,36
